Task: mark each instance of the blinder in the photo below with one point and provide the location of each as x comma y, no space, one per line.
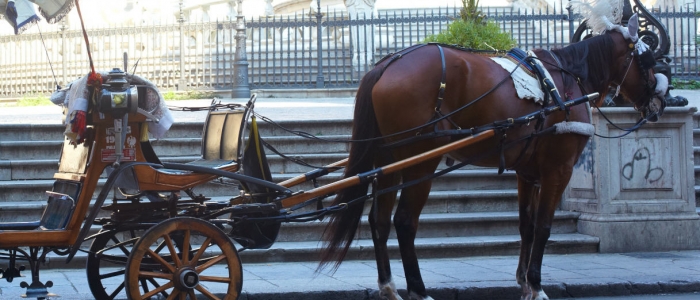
646,59
646,63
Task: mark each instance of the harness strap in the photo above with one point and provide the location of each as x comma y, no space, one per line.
561,68
550,90
441,90
443,85
395,56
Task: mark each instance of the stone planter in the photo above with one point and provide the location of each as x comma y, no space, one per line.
636,193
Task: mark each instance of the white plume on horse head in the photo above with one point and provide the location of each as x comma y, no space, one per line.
606,15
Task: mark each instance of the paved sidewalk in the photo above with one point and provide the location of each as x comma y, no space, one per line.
493,277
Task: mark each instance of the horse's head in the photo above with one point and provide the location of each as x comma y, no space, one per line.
635,79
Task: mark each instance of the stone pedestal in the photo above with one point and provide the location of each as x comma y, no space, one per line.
636,193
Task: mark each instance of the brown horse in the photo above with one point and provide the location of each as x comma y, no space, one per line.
401,93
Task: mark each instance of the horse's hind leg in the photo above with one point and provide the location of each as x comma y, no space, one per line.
380,225
411,204
527,195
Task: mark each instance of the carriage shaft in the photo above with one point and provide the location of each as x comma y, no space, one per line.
388,169
314,174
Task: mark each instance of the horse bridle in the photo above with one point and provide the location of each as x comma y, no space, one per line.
644,68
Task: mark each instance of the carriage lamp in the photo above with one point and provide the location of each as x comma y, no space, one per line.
118,97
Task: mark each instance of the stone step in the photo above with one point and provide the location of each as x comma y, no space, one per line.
459,180
431,225
469,179
51,149
37,149
439,202
438,225
31,132
440,247
191,129
363,249
29,169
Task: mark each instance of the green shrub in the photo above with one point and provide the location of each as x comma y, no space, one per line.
685,84
474,31
37,100
468,34
188,95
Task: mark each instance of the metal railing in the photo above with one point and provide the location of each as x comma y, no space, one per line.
285,51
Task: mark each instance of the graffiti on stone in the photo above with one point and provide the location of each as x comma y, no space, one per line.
645,163
642,158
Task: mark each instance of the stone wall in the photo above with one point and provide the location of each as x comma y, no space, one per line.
637,192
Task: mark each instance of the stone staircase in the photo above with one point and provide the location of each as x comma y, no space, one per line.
472,211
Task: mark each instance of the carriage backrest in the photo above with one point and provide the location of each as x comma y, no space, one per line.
222,134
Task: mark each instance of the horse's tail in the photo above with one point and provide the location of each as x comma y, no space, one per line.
341,229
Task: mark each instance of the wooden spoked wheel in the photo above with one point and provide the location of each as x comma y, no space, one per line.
184,258
106,263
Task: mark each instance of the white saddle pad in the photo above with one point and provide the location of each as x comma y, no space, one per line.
526,85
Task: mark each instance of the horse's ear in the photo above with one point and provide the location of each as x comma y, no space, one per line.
633,26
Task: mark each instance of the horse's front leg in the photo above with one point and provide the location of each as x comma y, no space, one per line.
411,204
380,225
550,194
527,196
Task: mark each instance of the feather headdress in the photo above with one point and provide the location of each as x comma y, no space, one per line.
604,15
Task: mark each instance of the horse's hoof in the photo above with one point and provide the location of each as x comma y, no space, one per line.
539,295
383,296
526,293
414,296
388,292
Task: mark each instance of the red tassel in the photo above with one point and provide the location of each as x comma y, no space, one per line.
78,125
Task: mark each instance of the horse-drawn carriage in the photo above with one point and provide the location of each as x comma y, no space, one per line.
158,238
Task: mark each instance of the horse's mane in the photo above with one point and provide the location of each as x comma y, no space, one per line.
589,60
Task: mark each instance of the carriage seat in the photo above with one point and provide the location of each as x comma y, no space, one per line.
59,209
221,140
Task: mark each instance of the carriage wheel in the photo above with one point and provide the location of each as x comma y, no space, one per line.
106,262
181,258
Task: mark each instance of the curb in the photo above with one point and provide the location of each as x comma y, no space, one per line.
560,290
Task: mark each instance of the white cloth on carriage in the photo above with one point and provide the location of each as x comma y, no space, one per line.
75,98
527,85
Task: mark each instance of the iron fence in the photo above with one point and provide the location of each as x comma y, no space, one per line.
328,49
